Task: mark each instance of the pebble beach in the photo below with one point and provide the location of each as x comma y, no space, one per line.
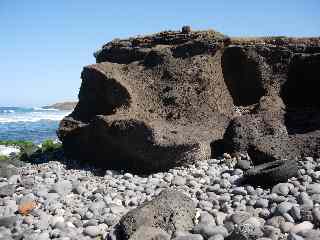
65,200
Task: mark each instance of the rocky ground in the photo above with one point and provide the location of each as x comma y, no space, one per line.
62,200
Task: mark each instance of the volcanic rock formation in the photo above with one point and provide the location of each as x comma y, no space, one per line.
155,102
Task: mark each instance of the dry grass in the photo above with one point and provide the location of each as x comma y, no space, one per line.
275,40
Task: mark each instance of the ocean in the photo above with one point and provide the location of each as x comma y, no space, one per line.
31,124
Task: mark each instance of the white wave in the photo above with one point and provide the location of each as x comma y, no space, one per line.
8,111
44,109
33,117
8,150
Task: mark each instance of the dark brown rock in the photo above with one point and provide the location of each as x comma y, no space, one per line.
301,88
155,102
270,136
149,115
277,85
170,211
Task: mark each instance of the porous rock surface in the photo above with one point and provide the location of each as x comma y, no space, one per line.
170,211
269,136
154,102
277,83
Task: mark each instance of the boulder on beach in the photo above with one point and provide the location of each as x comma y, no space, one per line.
170,211
154,102
150,104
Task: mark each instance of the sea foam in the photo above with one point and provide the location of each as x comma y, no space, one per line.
12,115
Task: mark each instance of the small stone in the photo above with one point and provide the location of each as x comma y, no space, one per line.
282,189
110,219
286,226
179,181
250,190
7,190
8,221
257,222
127,176
117,209
306,214
92,231
9,207
217,237
293,236
91,222
43,236
206,218
14,179
271,232
309,159
205,205
52,196
7,171
88,215
239,217
220,218
239,191
304,226
79,189
264,213
209,230
243,164
284,207
55,233
311,234
44,221
295,213
275,221
180,233
26,207
262,203
313,188
288,217
60,225
189,237
316,215
245,231
28,220
63,188
56,219
315,198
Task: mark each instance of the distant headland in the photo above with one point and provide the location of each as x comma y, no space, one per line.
62,105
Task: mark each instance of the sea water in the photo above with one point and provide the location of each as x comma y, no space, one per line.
31,124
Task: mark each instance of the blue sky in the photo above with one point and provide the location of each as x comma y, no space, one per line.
45,44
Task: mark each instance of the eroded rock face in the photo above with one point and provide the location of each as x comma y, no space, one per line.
155,111
269,136
151,103
277,83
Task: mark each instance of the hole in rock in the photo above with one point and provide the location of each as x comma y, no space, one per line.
242,76
301,90
100,95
